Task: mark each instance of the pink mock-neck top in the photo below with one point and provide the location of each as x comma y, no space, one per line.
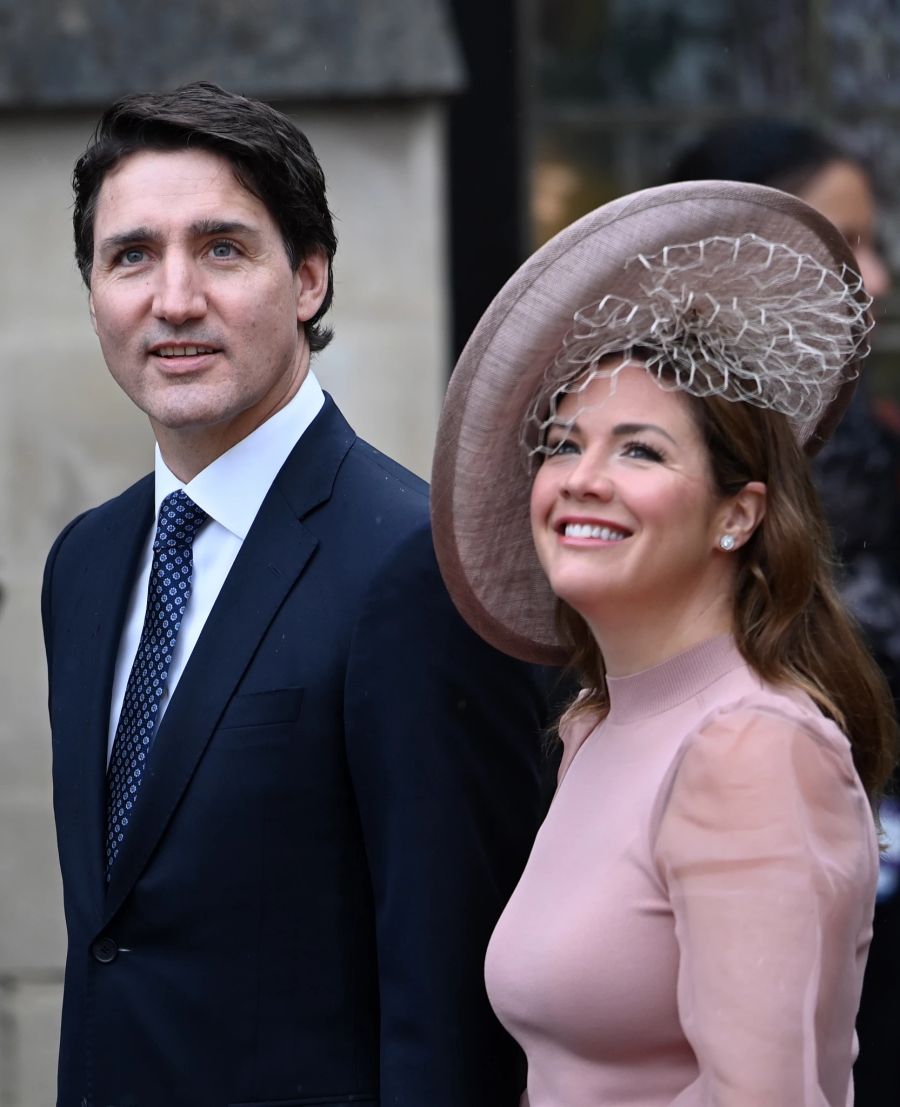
692,925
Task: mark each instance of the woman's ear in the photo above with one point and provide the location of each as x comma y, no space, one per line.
740,516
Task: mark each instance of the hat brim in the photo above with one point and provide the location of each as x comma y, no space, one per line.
481,484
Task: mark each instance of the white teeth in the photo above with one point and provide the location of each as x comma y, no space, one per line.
184,351
586,530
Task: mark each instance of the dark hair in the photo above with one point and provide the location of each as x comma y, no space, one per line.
789,622
270,157
780,153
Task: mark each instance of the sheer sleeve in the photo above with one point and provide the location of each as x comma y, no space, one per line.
766,845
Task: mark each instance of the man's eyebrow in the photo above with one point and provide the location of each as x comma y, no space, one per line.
134,235
621,429
127,238
223,226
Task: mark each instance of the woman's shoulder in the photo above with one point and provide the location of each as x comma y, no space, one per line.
766,760
772,714
770,734
578,722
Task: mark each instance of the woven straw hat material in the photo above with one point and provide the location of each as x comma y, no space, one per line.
481,479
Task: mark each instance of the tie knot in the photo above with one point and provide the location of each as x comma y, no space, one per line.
178,522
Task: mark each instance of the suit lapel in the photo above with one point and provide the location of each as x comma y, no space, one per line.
272,558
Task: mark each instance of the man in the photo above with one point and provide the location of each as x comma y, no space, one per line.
292,790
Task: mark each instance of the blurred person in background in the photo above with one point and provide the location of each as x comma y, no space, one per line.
858,476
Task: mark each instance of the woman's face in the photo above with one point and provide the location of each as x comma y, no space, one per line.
623,511
841,192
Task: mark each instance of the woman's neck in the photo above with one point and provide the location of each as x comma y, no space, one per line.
633,641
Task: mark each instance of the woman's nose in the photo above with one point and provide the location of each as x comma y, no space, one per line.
588,479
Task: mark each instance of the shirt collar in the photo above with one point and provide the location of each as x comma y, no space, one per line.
232,488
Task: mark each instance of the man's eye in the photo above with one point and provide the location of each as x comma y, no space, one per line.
132,256
223,250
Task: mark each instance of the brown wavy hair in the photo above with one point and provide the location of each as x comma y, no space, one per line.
789,622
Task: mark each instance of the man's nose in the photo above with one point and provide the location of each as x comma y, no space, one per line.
179,294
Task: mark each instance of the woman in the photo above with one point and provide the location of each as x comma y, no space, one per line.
619,483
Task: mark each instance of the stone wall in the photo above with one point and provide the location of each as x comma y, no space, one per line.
69,439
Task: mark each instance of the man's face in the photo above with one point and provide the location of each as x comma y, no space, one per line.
195,303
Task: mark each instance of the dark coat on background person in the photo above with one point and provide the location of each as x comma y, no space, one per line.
339,801
858,478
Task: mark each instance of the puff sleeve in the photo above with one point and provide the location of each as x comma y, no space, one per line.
766,845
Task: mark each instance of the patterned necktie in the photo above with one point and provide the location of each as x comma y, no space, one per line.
167,595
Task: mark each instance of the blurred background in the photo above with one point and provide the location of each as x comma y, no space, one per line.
456,135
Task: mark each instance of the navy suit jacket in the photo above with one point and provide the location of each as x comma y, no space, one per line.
339,800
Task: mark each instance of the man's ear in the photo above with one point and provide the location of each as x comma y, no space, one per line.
92,312
741,515
311,280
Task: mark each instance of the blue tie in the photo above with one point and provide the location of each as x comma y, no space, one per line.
167,595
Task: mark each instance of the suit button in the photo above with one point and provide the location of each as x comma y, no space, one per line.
104,950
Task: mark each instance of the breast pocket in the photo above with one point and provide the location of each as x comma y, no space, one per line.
260,717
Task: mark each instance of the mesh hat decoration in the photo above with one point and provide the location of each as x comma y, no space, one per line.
719,287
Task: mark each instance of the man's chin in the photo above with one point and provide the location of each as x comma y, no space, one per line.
187,417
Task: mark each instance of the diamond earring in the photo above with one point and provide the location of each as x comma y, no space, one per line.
726,542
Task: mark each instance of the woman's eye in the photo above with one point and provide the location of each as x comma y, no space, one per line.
561,446
642,452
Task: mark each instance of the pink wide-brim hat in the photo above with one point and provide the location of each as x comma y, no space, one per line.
481,481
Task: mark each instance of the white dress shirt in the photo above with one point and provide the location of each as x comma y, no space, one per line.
230,490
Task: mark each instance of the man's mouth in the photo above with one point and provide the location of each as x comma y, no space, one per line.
183,351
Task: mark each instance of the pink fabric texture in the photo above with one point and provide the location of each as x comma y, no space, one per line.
692,925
